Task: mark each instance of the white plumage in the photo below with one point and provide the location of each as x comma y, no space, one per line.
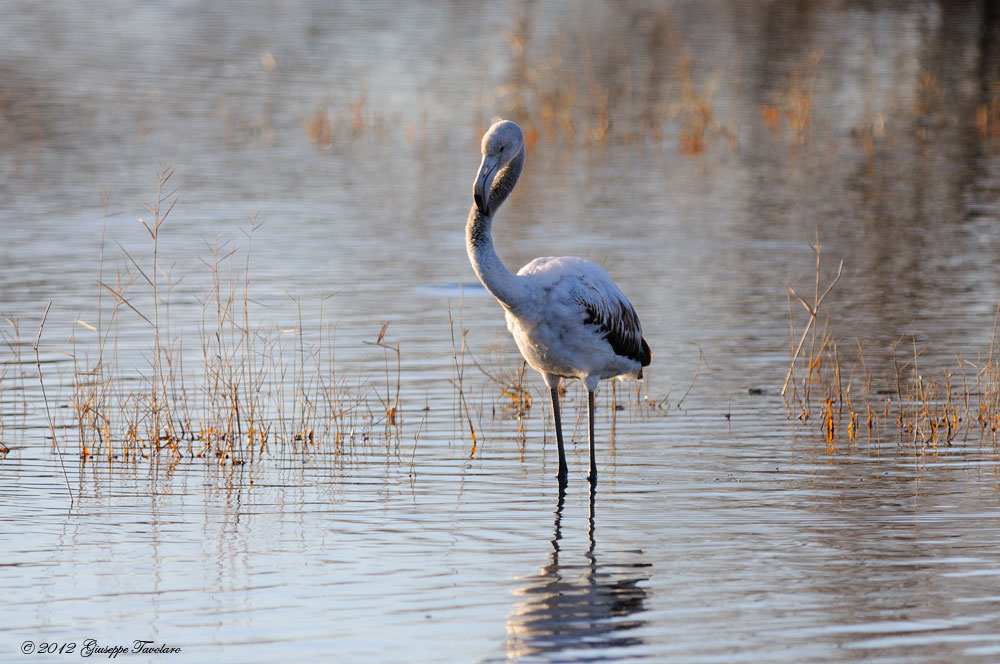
567,315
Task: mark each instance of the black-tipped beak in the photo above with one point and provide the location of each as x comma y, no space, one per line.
484,182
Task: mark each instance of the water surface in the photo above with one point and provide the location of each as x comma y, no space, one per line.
697,149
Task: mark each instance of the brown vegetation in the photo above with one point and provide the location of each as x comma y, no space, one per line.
885,398
257,386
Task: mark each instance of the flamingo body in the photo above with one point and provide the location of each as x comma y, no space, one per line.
567,315
576,323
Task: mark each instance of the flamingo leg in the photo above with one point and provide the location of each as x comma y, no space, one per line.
593,462
563,472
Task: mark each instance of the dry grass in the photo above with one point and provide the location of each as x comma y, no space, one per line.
591,83
257,389
581,89
879,399
344,118
458,353
988,114
646,82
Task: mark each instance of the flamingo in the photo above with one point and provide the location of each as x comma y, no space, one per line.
568,317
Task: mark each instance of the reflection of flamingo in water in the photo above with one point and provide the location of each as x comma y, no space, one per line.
568,606
568,317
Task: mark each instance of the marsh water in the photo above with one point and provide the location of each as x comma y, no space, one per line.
697,149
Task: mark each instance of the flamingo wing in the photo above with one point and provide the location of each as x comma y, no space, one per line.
619,325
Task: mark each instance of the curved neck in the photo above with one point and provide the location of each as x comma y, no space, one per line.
503,284
499,281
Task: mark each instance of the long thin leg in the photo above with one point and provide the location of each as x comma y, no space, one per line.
563,472
593,462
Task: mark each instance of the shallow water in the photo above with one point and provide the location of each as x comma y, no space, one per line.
721,530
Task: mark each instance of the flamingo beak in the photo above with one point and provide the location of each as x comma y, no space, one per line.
484,182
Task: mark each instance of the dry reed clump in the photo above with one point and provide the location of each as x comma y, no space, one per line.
257,387
337,120
890,397
697,113
988,114
794,108
458,355
514,398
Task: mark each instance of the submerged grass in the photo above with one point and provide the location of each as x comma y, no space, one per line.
251,388
886,397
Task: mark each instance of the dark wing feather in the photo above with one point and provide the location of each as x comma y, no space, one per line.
618,323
